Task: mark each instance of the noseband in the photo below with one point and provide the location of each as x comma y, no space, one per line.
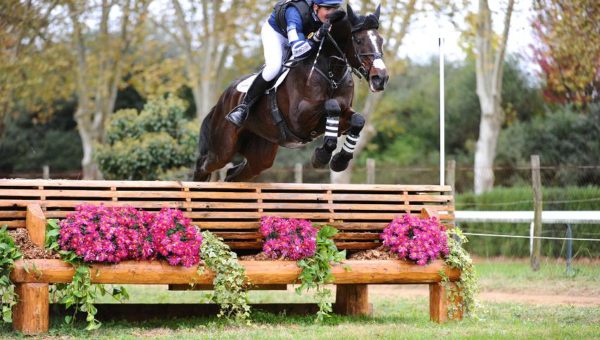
363,71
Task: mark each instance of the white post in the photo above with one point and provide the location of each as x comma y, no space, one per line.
442,113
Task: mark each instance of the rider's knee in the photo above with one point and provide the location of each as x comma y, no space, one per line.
270,72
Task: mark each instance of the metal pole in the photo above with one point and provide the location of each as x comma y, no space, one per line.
569,249
442,113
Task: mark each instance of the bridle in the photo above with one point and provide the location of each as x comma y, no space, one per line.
362,72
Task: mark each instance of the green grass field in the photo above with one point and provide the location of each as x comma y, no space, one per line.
395,316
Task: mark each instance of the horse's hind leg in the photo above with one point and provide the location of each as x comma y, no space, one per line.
322,154
340,160
259,154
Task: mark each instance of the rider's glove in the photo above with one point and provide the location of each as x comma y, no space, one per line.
321,32
301,48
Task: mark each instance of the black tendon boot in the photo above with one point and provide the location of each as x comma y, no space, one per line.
239,114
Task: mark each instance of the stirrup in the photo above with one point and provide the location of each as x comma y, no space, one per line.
238,115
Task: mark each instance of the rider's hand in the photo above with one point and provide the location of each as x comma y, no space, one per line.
302,48
322,32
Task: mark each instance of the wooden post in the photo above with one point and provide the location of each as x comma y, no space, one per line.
35,221
370,171
46,171
537,207
439,303
31,314
298,173
353,300
451,175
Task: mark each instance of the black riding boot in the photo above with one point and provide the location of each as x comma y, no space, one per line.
238,115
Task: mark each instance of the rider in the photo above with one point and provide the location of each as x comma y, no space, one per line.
290,24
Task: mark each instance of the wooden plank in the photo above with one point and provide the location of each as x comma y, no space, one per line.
35,222
258,272
31,314
12,214
219,185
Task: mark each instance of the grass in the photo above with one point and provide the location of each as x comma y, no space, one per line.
394,317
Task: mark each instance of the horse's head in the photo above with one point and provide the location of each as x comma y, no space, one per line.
367,54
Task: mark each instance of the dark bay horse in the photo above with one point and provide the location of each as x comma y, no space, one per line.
306,105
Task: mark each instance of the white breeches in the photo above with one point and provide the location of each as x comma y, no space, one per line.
274,45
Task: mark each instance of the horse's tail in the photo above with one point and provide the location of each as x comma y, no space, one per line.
204,137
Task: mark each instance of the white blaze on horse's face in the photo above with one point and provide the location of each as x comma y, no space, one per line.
378,74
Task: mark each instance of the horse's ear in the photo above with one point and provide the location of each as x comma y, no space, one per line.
378,11
351,16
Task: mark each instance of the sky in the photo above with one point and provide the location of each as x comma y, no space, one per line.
421,43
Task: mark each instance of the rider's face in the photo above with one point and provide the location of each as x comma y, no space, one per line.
323,12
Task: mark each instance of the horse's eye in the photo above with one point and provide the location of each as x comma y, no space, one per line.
358,41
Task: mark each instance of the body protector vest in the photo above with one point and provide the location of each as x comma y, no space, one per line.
309,22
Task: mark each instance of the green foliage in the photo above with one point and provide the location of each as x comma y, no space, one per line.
459,258
407,119
521,198
230,278
27,143
316,270
156,143
80,293
8,254
563,138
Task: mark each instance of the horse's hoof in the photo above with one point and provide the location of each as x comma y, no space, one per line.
320,158
340,161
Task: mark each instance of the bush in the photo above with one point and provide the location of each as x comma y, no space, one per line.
156,143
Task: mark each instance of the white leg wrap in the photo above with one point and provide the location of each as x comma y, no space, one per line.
332,126
350,143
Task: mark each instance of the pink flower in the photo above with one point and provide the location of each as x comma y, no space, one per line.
114,234
416,239
291,239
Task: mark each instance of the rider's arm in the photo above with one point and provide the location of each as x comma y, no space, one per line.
298,42
294,25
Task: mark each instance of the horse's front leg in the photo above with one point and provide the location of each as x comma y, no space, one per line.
341,159
322,154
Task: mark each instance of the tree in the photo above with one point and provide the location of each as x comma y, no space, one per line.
208,33
33,66
568,49
100,64
396,18
490,71
156,143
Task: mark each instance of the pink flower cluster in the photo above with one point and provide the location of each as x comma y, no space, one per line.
291,239
416,239
114,234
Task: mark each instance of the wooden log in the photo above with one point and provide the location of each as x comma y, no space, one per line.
35,221
31,314
352,300
258,272
439,302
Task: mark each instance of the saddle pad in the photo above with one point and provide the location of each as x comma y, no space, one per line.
245,84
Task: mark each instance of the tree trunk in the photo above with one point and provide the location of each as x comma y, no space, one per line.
485,152
489,69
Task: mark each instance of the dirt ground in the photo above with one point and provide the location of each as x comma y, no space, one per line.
491,296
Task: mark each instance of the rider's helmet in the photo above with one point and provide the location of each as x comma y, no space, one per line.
328,3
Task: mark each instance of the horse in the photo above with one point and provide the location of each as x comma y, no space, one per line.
314,99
